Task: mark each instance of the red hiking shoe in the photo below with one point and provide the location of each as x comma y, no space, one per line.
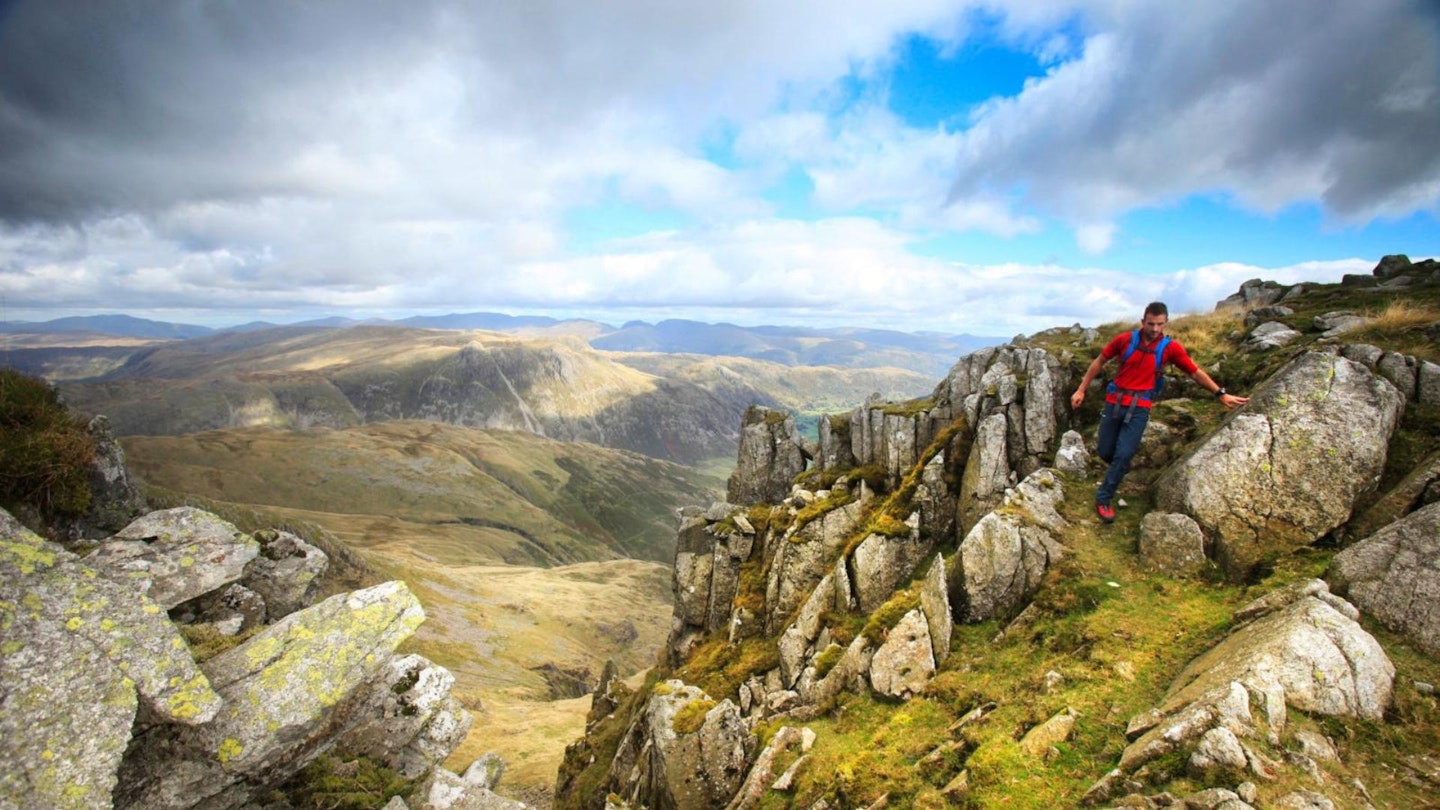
1106,512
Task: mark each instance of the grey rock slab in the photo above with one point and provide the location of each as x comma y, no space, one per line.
295,675
905,661
286,573
1394,576
75,649
177,554
1171,544
658,766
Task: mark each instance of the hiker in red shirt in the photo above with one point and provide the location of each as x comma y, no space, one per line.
1143,354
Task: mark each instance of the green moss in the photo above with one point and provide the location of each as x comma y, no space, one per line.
692,716
914,407
889,614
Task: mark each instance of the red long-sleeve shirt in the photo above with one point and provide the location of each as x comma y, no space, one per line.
1137,373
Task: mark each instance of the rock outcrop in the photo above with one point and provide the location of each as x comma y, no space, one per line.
1394,576
1254,485
1300,647
770,456
683,751
80,653
102,704
1003,560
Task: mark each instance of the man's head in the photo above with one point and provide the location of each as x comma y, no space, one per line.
1152,326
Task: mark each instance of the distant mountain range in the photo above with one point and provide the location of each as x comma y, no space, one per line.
927,353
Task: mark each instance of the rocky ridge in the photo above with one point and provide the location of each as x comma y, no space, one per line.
104,704
905,521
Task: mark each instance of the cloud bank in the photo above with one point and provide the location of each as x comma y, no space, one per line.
743,160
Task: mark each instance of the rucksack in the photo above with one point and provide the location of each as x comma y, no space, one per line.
1159,350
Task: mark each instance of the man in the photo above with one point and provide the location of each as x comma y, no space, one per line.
1143,354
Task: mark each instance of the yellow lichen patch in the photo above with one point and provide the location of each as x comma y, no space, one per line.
188,699
28,555
151,608
229,750
74,624
33,603
187,562
11,647
108,625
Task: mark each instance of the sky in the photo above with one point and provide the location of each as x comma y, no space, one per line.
990,168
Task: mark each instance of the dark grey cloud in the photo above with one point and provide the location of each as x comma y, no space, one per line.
1271,101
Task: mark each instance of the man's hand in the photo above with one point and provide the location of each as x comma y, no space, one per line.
1232,401
1077,398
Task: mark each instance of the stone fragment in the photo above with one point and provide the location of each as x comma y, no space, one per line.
768,459
1171,544
301,674
658,765
286,573
1072,459
1219,749
70,637
905,661
1038,741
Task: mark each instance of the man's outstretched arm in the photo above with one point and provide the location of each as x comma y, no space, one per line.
1226,399
1090,374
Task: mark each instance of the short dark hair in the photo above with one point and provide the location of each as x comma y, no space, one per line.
1157,308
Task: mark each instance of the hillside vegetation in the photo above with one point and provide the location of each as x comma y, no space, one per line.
1103,639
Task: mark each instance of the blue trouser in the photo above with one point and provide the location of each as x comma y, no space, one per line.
1116,443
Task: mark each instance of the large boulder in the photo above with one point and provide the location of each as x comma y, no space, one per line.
1003,559
1300,647
1288,468
307,674
698,766
882,562
412,722
769,457
803,557
1394,576
75,649
176,555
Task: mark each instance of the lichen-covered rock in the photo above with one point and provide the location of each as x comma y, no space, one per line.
1171,544
176,555
286,573
905,661
699,765
1219,749
803,557
1394,576
769,457
75,648
1294,648
1003,560
1287,468
935,602
881,562
296,675
1038,741
987,472
406,718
